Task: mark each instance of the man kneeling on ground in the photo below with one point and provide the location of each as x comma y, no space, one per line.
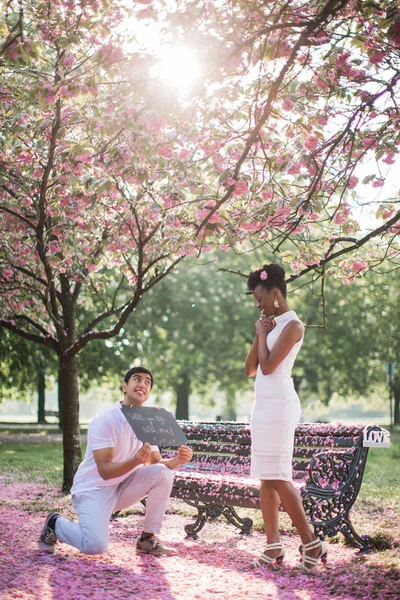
117,472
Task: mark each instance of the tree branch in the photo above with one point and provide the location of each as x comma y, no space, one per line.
48,341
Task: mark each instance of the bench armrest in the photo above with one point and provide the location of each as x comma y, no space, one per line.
331,469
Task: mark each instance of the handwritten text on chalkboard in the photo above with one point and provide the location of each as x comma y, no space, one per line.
154,425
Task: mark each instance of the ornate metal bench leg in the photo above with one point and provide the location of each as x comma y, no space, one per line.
363,542
192,529
231,515
213,511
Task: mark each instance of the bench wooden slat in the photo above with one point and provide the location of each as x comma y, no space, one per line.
324,441
218,464
232,437
223,448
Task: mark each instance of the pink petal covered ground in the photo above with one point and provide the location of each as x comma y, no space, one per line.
215,566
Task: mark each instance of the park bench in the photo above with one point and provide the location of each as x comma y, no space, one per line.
52,413
328,467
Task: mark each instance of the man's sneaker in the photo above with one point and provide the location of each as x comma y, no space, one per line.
48,538
152,545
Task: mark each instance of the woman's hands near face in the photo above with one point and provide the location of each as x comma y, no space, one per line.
264,325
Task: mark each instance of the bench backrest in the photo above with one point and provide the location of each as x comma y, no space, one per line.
225,447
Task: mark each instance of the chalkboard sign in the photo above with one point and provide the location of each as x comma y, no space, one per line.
154,425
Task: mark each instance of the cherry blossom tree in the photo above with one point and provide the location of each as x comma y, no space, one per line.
106,167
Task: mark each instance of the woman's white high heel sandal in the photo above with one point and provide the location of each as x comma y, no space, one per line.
309,562
267,560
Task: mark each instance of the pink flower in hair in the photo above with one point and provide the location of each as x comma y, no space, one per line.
263,275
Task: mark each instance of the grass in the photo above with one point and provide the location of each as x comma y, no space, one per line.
35,463
382,472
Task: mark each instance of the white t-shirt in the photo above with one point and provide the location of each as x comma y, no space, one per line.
108,429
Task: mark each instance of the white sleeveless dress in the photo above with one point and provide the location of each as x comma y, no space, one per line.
276,412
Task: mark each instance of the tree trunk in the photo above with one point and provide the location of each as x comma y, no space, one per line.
182,396
60,418
230,402
69,405
41,397
396,400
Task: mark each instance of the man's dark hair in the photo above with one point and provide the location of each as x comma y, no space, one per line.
138,370
269,277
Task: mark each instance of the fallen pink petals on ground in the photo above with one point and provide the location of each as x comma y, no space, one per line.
214,566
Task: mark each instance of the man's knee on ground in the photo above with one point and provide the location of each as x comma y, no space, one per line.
94,545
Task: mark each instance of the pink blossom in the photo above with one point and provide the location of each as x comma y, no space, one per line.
147,13
26,202
50,99
203,214
389,159
184,154
187,249
84,158
210,149
387,212
68,60
294,169
287,105
353,181
169,200
377,57
7,273
54,247
357,266
154,124
240,186
378,182
111,53
26,158
252,226
369,143
266,195
165,152
311,143
321,83
322,120
342,215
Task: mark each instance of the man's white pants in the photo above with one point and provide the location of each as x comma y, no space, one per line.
94,508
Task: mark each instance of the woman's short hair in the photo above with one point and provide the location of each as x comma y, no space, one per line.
269,277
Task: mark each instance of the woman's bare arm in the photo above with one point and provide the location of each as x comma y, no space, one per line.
251,364
291,334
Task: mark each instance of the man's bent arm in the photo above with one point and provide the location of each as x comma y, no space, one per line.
110,470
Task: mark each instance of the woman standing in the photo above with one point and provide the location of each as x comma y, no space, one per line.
275,414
